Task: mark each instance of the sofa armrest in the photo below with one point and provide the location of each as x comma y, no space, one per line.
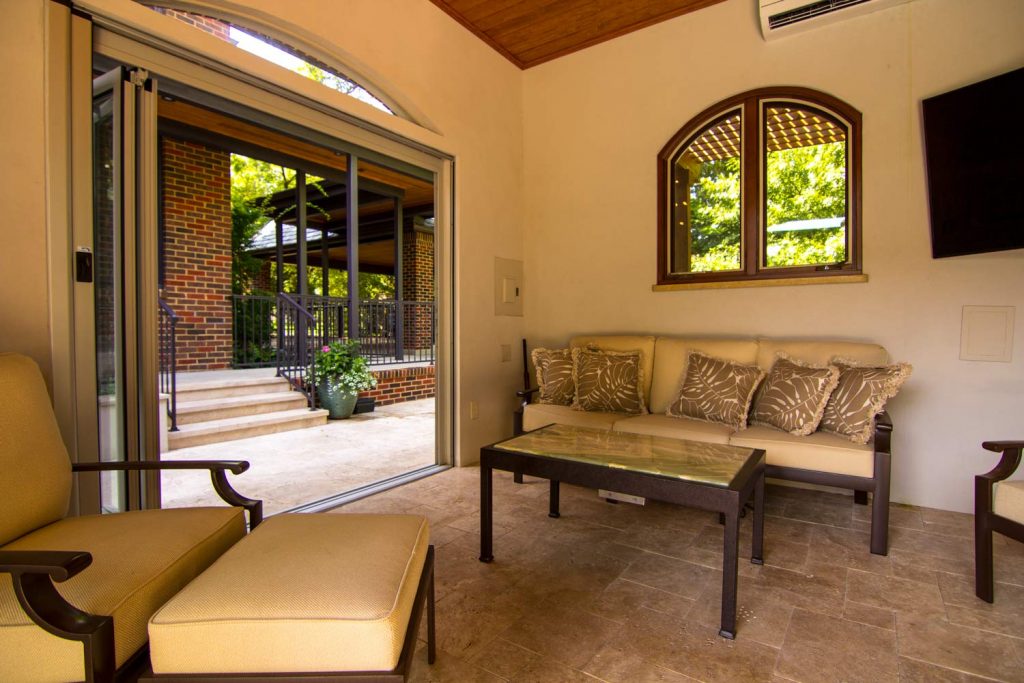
33,573
1008,463
883,433
218,474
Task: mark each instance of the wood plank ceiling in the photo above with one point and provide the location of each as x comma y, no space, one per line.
531,32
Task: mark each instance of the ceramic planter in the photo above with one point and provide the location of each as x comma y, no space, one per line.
338,402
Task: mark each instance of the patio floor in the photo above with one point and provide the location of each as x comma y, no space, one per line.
292,468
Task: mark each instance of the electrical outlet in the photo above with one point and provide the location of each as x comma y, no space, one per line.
506,353
474,410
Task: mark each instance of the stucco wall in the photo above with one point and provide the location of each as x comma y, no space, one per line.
594,122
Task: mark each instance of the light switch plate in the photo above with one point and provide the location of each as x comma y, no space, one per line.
986,333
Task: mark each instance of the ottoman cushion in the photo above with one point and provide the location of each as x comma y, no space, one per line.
301,593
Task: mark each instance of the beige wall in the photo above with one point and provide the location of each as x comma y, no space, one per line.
24,316
595,121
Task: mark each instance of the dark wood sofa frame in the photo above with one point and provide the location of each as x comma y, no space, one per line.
33,573
877,485
986,521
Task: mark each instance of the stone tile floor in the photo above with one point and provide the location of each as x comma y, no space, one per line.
628,593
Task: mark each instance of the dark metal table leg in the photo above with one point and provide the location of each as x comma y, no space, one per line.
730,567
517,477
757,555
553,503
486,513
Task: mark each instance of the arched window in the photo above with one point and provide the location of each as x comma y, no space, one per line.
275,51
762,186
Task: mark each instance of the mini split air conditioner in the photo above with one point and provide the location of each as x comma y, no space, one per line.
785,17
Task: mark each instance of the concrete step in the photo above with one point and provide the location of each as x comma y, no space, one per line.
233,428
192,412
206,390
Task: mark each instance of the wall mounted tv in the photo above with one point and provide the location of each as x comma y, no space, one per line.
974,153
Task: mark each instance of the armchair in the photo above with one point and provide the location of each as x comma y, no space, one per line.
76,593
998,506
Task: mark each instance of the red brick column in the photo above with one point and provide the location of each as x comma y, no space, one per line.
196,192
418,285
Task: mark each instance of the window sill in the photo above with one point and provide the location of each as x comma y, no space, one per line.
766,282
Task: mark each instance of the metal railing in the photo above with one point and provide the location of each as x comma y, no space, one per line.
167,335
253,331
296,341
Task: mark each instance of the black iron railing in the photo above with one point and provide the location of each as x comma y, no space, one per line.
167,334
296,342
254,331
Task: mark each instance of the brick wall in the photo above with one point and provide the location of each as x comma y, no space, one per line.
418,285
212,26
196,193
396,385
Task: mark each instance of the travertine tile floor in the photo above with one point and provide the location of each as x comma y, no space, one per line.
626,593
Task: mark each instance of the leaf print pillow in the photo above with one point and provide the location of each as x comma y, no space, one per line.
794,395
860,396
554,376
716,390
608,381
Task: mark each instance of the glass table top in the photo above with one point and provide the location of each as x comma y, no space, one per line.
696,461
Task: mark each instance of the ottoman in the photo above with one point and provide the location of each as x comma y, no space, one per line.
319,596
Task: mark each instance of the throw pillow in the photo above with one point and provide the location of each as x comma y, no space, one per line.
554,376
794,395
860,396
716,390
609,381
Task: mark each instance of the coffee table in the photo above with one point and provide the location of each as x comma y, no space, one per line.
707,476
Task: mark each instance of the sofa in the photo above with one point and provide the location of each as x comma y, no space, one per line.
819,458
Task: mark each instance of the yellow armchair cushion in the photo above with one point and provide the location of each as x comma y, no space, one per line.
1008,500
140,559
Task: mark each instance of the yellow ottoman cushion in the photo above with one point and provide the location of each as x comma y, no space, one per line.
301,593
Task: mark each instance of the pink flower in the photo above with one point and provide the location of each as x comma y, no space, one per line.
326,349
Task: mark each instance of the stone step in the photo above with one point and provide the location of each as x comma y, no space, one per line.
192,412
233,428
205,390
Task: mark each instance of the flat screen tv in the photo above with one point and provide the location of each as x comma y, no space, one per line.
974,153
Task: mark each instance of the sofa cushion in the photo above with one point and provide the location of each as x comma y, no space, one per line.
794,395
36,483
1008,500
820,451
536,415
859,396
140,559
671,354
674,427
608,381
309,593
554,376
716,390
819,352
642,343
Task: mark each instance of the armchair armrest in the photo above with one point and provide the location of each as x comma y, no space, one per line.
218,474
883,433
33,573
1008,463
525,394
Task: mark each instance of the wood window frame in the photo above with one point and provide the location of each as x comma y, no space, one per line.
752,185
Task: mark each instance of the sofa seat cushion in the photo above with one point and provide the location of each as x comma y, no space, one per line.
1008,500
536,415
302,593
139,560
675,427
819,451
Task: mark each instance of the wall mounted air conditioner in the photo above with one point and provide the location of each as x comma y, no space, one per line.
785,17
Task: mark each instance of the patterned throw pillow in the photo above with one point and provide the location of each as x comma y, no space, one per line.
609,381
716,390
554,376
794,395
860,396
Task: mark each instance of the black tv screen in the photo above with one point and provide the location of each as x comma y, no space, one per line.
974,153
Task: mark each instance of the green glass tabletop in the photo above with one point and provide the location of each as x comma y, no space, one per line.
704,463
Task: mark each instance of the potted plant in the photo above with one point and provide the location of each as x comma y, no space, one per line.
340,373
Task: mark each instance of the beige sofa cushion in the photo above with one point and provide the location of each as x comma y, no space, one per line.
670,356
608,381
716,390
554,376
819,352
674,427
35,486
1008,500
536,415
642,343
140,559
820,451
327,592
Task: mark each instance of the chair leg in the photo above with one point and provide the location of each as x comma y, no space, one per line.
517,477
880,504
984,585
860,497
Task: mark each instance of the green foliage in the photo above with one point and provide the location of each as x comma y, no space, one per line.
715,217
332,81
371,285
340,366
